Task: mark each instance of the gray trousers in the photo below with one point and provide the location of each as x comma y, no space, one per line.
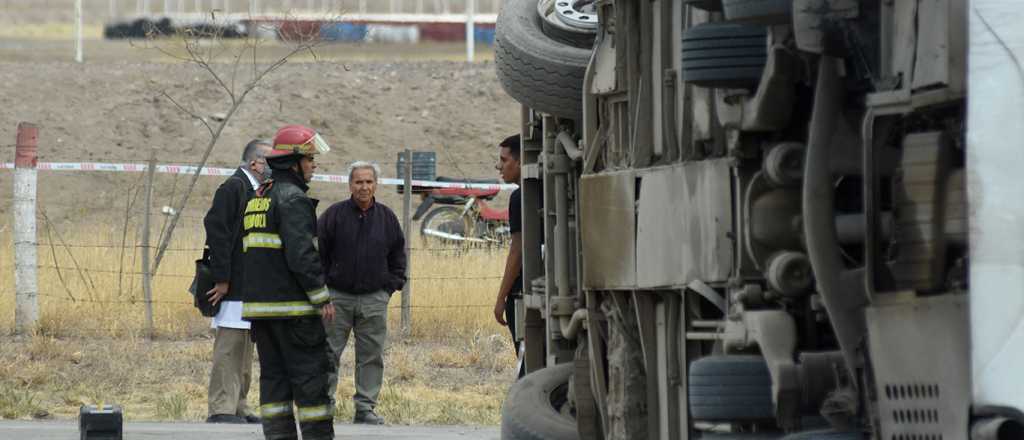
366,315
231,372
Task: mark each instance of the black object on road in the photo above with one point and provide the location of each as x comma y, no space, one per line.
101,423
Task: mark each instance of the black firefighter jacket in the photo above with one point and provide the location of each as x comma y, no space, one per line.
223,223
283,274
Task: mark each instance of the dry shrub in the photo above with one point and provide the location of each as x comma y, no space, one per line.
89,347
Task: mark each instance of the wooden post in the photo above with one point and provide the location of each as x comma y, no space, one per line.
407,228
26,281
147,277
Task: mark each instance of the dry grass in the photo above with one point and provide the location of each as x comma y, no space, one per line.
49,31
89,346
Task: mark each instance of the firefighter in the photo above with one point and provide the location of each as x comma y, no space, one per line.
286,297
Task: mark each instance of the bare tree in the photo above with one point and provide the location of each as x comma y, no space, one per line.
231,59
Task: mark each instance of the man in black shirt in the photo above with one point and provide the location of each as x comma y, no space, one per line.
362,248
512,280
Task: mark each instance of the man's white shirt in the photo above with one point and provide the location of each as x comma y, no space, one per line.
230,314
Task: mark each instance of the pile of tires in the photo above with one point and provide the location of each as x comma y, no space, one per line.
758,11
724,55
730,388
138,28
162,27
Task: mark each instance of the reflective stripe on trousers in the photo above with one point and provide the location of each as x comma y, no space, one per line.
277,409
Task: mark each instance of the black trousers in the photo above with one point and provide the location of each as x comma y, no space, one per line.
510,316
293,370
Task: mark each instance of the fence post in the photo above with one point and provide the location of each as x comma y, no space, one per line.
26,283
407,227
147,277
470,26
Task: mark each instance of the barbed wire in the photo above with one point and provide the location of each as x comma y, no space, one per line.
111,271
128,301
181,275
109,246
200,249
133,301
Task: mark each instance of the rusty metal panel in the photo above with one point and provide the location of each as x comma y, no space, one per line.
684,221
608,228
907,340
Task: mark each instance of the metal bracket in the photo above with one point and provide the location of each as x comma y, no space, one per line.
774,332
563,305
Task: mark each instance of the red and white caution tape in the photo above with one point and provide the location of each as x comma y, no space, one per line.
212,171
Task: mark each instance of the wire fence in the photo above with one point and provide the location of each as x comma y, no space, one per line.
98,261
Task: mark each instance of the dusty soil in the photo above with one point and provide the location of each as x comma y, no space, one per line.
426,383
369,102
114,110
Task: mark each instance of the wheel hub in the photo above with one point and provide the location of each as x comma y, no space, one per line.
580,14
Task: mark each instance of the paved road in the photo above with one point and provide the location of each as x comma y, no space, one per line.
68,430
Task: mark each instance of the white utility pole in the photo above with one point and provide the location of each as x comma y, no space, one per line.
470,26
78,31
26,281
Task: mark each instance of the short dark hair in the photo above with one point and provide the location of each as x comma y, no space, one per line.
512,143
252,150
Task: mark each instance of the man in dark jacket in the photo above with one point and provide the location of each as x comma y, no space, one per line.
363,249
232,348
285,295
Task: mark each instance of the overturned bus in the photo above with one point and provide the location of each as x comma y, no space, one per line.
769,219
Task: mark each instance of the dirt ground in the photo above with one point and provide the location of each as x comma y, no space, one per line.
369,102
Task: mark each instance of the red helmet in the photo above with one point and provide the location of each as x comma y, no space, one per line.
298,140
